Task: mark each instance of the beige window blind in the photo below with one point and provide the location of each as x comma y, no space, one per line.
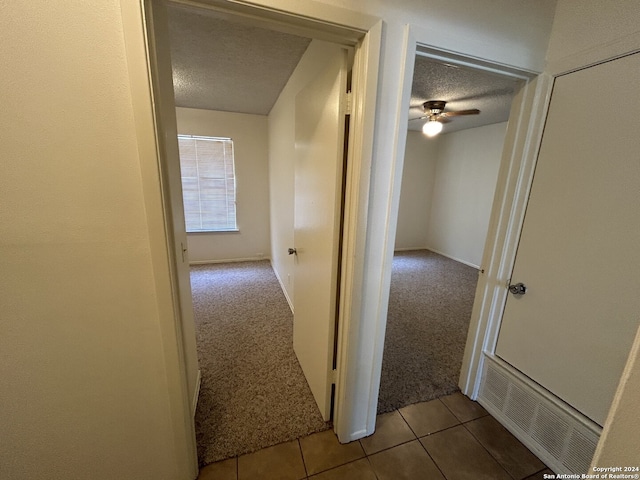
208,183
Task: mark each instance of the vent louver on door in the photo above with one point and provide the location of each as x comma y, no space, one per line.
562,437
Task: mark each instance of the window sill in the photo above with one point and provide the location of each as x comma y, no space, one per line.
198,232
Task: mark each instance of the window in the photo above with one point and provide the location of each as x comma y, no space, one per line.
208,183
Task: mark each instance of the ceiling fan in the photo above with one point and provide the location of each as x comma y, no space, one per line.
436,116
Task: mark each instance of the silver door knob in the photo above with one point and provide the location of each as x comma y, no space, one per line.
292,251
518,289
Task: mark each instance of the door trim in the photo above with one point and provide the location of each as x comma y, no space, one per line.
326,22
512,189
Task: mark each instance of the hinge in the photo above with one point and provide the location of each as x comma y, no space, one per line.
348,103
334,376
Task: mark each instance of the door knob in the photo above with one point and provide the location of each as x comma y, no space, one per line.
292,251
518,289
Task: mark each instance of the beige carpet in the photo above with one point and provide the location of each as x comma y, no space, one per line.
253,391
430,306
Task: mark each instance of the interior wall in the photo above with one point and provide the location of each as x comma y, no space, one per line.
584,33
465,182
621,434
418,177
506,32
282,163
85,391
79,317
251,157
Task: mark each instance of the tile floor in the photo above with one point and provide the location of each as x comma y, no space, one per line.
451,438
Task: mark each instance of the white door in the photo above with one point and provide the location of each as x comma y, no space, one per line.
579,254
319,139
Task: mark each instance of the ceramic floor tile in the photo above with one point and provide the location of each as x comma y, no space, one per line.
408,461
514,457
322,451
463,408
461,457
540,475
357,470
391,430
428,417
282,462
224,470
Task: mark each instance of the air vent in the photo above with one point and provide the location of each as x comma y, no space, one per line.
561,436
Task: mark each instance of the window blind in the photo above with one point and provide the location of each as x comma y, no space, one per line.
208,183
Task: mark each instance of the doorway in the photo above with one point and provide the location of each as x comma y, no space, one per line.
447,192
366,49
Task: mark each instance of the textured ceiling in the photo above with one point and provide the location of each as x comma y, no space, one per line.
462,88
228,66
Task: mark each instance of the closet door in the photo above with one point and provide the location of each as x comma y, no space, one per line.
579,253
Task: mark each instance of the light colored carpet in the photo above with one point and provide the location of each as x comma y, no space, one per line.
430,306
253,391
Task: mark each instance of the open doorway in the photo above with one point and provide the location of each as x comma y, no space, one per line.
228,75
362,120
446,198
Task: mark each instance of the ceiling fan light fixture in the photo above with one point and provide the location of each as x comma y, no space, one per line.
432,128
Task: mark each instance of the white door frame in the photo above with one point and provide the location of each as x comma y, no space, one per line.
309,18
512,190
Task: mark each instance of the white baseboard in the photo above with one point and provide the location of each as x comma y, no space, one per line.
228,260
196,394
284,290
459,260
454,258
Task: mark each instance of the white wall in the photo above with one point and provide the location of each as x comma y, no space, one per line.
251,156
621,435
448,183
465,181
84,375
418,177
583,33
84,384
282,163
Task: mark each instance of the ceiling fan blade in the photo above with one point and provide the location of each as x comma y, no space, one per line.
418,118
473,111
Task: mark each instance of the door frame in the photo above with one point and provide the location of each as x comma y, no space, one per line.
510,203
515,176
310,18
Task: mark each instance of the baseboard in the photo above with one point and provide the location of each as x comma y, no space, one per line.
228,260
459,260
284,290
196,394
563,438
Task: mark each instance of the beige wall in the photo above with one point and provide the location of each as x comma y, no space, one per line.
465,181
583,33
84,389
251,156
448,183
418,177
282,164
620,439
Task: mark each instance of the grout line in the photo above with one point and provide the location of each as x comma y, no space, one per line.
304,464
433,460
372,468
486,449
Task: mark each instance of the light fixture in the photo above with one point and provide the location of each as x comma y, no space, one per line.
432,127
